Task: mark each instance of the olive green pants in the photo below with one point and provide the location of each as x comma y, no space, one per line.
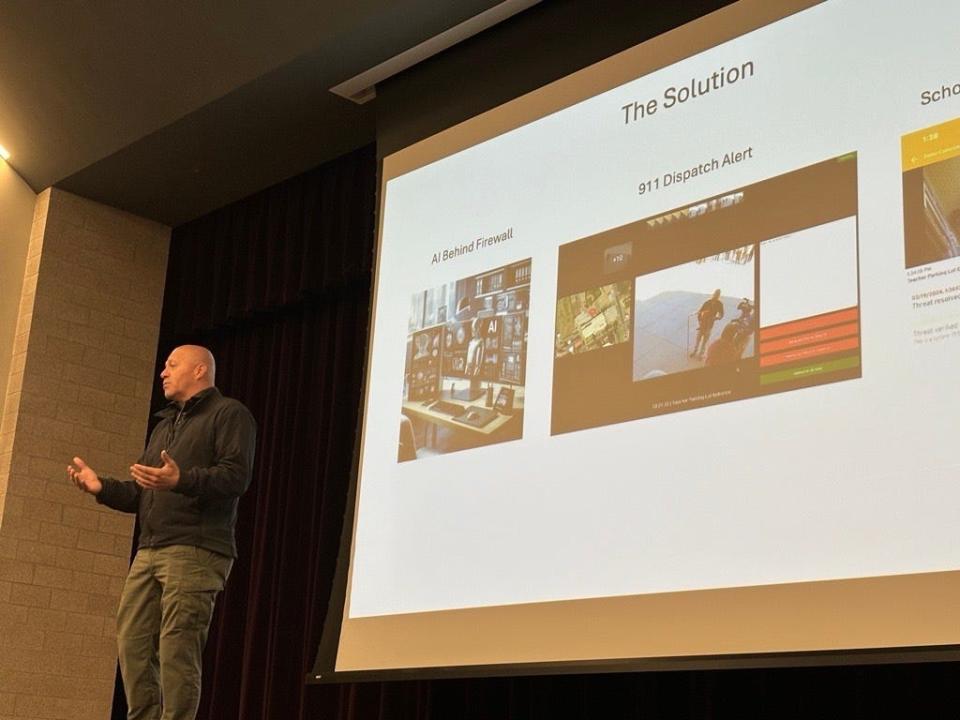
162,623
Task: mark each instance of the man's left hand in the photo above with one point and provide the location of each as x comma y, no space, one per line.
164,477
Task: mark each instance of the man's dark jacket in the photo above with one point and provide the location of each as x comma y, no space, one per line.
212,440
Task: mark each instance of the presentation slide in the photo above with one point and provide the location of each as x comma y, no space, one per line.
660,355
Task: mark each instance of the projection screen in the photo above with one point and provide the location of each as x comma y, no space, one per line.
660,356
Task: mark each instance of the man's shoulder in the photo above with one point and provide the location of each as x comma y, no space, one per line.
221,404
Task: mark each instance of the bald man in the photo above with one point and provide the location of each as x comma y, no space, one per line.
185,489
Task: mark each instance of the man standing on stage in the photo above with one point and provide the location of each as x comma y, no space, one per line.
184,489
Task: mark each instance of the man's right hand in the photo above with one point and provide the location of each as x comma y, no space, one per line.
83,476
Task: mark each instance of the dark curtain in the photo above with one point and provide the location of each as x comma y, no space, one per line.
278,286
301,375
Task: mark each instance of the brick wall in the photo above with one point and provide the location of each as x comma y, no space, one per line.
17,202
80,382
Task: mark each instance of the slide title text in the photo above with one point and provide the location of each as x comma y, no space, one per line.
695,88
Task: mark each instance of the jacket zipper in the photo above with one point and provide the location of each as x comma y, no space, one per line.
172,435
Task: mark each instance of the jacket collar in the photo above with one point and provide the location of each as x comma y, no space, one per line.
173,409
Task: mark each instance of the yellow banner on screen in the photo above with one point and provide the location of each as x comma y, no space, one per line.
931,145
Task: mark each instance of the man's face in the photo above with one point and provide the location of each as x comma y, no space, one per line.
179,376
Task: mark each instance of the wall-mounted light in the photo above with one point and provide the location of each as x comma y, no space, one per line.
4,153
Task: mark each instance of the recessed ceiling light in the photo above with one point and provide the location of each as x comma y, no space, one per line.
4,153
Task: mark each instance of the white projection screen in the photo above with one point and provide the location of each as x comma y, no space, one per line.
661,357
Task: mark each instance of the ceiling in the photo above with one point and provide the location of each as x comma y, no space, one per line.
172,108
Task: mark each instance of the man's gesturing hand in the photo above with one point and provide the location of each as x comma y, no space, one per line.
164,477
83,476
